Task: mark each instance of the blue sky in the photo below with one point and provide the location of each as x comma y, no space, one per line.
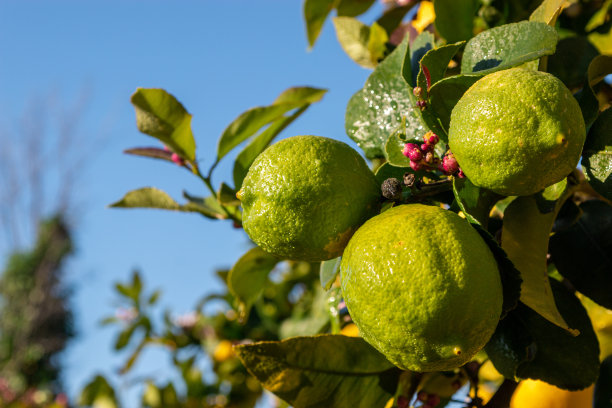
218,58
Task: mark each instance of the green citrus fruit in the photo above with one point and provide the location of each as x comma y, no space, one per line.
305,196
517,131
422,286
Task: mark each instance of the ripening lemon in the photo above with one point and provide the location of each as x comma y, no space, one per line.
538,394
517,131
422,286
305,196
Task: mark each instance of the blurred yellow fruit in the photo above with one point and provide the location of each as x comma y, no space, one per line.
223,351
538,394
425,16
350,330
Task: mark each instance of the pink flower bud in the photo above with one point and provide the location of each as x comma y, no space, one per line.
422,396
450,164
177,159
421,104
426,147
433,139
416,166
429,157
461,174
415,155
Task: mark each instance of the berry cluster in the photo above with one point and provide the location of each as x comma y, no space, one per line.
428,400
423,157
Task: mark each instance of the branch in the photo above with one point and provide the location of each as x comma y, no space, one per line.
501,398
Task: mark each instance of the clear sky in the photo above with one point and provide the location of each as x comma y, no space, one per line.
218,58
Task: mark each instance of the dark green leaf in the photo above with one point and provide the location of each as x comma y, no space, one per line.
525,236
548,11
455,18
160,115
583,252
322,371
154,297
599,67
444,95
227,195
249,122
248,276
475,202
597,155
329,272
315,14
510,276
374,112
393,17
571,61
436,61
387,170
602,397
525,345
507,46
419,47
353,8
259,143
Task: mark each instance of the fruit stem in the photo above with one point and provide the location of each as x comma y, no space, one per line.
206,180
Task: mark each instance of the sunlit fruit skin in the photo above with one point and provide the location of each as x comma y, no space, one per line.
422,287
305,196
517,131
538,394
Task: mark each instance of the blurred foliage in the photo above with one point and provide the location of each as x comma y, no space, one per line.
35,320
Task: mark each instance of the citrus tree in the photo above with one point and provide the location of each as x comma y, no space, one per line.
471,255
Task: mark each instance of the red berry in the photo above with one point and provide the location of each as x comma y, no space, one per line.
416,166
426,147
450,164
402,402
422,396
409,147
415,155
433,139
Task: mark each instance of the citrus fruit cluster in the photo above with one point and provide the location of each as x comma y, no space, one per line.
517,131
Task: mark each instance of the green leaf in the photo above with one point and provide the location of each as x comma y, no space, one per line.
582,253
597,155
602,396
436,61
510,276
525,345
507,46
98,393
354,37
312,317
248,276
600,16
354,8
209,207
249,122
375,111
548,11
377,43
444,95
387,170
315,14
455,18
392,17
227,196
329,272
603,41
571,61
419,47
150,197
147,197
599,67
475,202
162,116
259,143
525,236
395,146
322,371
